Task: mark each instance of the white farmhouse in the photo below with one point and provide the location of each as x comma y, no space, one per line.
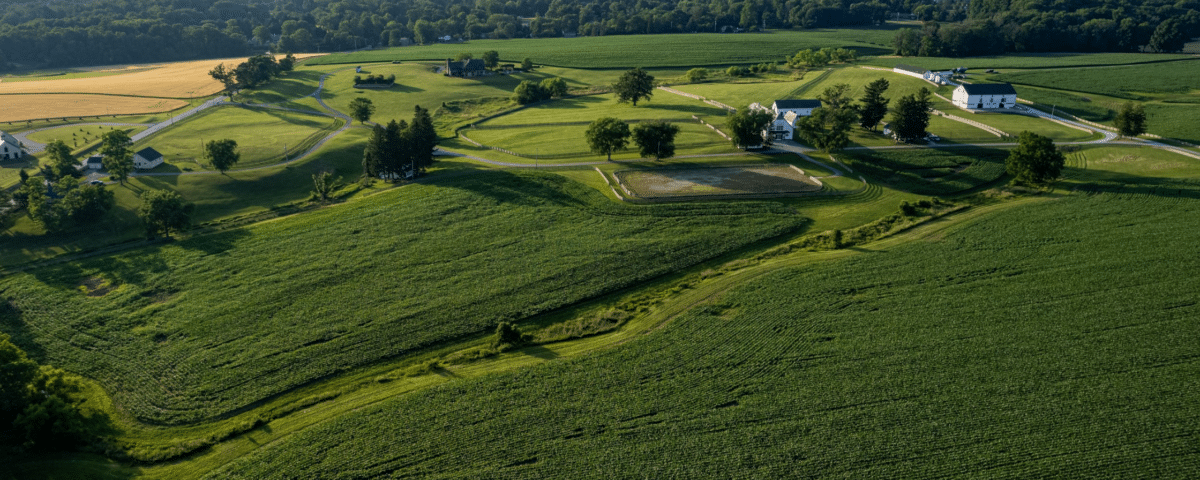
10,149
147,158
979,96
783,126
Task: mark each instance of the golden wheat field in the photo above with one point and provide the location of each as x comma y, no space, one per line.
173,80
32,107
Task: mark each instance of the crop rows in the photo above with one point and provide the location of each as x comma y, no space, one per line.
932,172
199,328
1123,82
1050,340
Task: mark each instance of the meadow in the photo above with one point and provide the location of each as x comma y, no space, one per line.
179,334
80,137
1044,340
1028,60
19,108
262,135
567,143
628,51
1130,82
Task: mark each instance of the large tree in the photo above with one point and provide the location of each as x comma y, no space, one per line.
910,118
1131,120
634,85
62,163
655,139
16,372
828,128
375,154
748,126
1169,36
491,58
222,154
225,76
607,135
118,160
361,109
874,106
163,211
1035,161
423,137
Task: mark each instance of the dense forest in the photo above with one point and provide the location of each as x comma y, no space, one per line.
62,33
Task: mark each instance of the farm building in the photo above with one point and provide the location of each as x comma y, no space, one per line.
985,95
95,162
467,68
10,148
147,158
783,126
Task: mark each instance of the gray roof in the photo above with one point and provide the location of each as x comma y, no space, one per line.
910,68
989,89
797,104
98,160
149,153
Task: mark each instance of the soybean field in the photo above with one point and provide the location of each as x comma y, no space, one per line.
199,328
1053,339
931,171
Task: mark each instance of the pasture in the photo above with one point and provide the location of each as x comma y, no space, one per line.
750,180
1044,340
18,108
183,334
263,136
628,51
79,137
568,142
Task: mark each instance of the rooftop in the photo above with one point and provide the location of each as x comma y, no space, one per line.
789,104
989,89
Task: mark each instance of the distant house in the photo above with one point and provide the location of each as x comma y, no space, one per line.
147,158
467,68
95,162
10,148
981,96
357,69
783,126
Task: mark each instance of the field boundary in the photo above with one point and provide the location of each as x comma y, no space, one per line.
822,191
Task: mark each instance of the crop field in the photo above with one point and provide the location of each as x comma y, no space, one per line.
1124,82
1126,164
930,172
1014,124
627,51
558,142
262,136
198,328
717,181
1089,106
1050,340
1028,60
32,107
172,80
1179,121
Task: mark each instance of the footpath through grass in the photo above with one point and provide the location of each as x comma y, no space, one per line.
1046,340
200,328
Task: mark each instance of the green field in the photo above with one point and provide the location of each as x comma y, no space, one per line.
1028,60
568,143
1046,340
79,137
186,337
1131,82
627,51
1174,121
930,172
263,136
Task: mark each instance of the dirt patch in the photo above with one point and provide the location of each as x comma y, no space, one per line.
717,181
1117,159
95,286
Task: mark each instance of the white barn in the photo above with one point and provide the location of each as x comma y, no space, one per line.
783,126
981,96
10,148
147,158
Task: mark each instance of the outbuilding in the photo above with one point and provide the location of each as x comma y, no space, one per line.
147,158
783,125
95,162
979,96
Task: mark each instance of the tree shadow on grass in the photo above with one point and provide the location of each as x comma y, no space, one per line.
527,189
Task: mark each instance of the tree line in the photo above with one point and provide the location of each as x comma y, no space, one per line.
400,149
991,27
107,32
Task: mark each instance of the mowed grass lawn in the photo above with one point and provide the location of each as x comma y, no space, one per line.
588,108
202,327
81,136
738,95
570,143
1054,339
261,134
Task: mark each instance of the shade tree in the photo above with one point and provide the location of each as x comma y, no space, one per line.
655,139
634,85
607,135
